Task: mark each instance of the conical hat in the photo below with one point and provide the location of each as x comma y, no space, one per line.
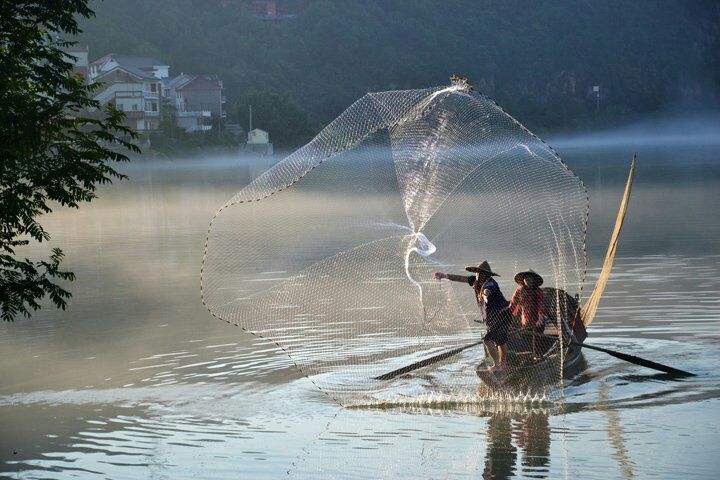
484,267
530,276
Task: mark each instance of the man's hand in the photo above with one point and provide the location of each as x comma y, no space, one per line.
439,275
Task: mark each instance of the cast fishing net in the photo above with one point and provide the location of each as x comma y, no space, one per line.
330,253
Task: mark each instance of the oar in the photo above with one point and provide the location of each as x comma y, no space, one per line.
639,361
622,356
429,361
426,362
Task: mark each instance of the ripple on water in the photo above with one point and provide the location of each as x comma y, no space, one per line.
242,407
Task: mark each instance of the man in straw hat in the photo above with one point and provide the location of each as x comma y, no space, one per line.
493,310
527,303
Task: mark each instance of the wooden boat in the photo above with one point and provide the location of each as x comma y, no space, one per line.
560,347
556,354
560,350
527,374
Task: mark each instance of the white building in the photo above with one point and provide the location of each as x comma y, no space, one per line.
258,137
147,65
258,141
133,85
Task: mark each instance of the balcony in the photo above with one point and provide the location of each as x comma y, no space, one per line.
128,94
199,128
137,114
196,113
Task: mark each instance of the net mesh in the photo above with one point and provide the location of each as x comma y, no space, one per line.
331,252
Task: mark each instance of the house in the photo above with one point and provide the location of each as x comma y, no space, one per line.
258,137
258,141
133,85
197,99
136,85
78,55
147,65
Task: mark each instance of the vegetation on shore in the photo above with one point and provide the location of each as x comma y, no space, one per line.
53,152
288,124
539,60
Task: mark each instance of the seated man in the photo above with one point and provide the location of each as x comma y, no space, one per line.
493,310
527,303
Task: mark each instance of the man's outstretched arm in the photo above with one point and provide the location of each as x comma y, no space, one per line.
451,277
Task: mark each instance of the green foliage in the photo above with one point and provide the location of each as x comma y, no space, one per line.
180,143
52,153
286,122
538,59
170,139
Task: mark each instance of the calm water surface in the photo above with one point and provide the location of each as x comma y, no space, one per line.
136,380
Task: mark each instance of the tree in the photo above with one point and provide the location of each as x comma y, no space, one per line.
286,122
334,51
56,143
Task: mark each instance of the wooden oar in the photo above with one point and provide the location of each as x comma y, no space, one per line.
430,360
639,361
622,356
426,362
588,310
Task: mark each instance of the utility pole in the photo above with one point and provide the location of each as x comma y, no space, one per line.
596,90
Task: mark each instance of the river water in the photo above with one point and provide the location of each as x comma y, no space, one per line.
137,380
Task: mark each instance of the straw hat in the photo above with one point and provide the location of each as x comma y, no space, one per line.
483,268
532,278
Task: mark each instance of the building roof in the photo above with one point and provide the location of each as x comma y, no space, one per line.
194,82
139,74
178,81
130,61
257,136
203,82
139,62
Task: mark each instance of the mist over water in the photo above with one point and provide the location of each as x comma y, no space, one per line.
696,131
136,379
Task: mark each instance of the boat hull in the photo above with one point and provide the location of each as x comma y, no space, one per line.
537,376
556,357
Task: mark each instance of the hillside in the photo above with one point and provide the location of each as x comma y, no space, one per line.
541,63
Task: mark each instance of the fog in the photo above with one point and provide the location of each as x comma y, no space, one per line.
689,131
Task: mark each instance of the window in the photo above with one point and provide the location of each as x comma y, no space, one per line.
153,87
135,106
153,106
119,106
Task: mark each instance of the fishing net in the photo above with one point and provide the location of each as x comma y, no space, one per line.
331,252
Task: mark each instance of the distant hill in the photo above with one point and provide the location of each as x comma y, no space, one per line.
539,59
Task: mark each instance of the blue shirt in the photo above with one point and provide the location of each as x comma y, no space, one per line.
496,302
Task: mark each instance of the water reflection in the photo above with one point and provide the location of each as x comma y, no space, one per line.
501,454
467,441
135,379
615,432
506,434
534,441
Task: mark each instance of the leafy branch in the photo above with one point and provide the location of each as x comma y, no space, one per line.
56,144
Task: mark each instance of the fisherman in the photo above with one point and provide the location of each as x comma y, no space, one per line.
527,303
493,310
